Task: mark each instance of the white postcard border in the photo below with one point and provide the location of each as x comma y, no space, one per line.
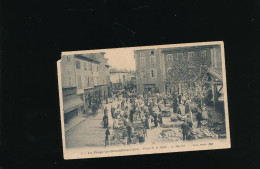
95,152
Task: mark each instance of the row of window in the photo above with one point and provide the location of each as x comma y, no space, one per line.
85,66
152,60
171,58
148,74
89,81
152,73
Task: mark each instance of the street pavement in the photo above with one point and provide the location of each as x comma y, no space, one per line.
90,132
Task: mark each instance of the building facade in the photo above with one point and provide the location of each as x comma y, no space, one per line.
107,79
120,78
202,61
86,77
101,73
155,68
88,74
73,105
149,70
189,60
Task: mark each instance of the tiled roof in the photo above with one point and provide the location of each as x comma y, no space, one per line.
88,57
217,72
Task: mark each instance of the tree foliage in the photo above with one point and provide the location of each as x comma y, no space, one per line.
184,70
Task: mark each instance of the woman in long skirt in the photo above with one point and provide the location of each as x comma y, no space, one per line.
105,119
190,116
148,122
204,113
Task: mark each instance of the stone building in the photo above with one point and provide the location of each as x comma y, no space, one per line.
101,75
107,79
73,106
191,58
201,61
149,70
88,74
120,78
155,67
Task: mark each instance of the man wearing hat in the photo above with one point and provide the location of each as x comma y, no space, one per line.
113,111
199,118
107,137
155,119
185,129
132,111
105,120
175,105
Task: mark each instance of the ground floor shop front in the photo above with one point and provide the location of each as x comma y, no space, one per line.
101,92
150,87
73,107
91,95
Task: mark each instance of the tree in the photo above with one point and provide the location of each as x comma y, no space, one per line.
184,72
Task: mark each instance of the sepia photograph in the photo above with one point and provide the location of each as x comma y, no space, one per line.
143,100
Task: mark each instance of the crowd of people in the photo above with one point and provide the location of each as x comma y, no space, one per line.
131,109
147,109
95,103
200,110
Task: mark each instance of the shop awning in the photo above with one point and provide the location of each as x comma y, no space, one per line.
216,72
71,102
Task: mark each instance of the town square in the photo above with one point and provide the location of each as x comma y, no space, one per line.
170,94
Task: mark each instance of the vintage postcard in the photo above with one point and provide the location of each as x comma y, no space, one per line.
143,100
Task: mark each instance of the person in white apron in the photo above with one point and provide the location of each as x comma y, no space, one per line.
190,116
115,123
204,113
148,122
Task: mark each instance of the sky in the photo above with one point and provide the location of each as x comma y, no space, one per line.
121,58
